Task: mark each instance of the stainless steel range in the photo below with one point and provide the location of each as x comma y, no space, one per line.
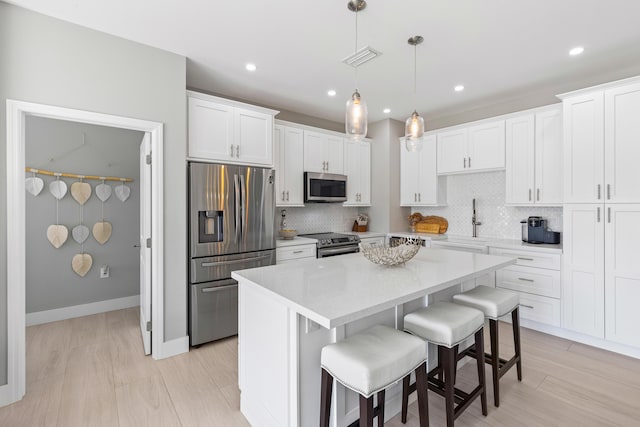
332,244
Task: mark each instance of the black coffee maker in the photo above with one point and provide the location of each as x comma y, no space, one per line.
534,230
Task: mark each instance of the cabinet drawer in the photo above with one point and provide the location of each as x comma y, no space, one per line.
539,309
531,280
295,252
530,259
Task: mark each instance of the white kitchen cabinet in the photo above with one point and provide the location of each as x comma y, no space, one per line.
227,131
622,273
419,182
323,152
365,241
471,149
357,167
534,158
294,253
583,269
288,157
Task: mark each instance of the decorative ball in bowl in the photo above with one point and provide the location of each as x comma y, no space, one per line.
288,234
399,252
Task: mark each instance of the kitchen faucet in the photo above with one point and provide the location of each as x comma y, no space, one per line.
474,222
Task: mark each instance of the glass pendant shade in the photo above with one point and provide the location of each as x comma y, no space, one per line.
356,117
413,145
414,126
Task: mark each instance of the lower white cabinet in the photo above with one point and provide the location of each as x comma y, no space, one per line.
536,278
294,253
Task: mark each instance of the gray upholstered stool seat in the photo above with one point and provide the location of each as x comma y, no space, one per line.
447,325
369,362
495,303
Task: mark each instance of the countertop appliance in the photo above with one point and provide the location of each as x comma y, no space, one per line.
231,227
332,244
534,230
324,187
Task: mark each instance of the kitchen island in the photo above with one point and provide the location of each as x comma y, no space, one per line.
288,312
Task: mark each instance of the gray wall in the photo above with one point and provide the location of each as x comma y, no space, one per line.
57,145
48,61
385,213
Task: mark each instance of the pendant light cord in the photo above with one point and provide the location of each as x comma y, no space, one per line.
356,45
415,67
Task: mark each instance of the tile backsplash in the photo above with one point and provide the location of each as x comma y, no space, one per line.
318,217
498,220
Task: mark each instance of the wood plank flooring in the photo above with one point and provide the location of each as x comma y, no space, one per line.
91,371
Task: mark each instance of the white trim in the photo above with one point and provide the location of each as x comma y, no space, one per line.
230,102
173,348
16,116
63,313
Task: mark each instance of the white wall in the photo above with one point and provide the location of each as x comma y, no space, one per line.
48,61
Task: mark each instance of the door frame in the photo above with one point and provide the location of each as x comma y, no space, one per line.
17,111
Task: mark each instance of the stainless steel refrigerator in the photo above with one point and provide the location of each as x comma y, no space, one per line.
231,227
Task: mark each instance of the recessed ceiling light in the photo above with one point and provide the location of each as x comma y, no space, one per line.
458,88
250,67
386,110
576,51
331,92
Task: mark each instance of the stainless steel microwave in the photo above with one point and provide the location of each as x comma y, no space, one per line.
325,187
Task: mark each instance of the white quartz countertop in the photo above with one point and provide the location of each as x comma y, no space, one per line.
484,241
296,241
336,290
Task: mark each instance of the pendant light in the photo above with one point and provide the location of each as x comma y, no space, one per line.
355,118
414,126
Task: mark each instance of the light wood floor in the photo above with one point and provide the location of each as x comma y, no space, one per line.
90,371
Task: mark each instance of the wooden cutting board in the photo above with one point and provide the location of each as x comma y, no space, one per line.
432,224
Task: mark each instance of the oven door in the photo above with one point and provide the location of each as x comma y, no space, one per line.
339,250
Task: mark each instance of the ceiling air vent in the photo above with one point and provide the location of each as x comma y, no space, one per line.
361,56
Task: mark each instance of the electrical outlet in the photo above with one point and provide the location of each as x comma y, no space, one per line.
104,272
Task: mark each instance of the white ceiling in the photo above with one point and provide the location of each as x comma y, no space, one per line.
500,50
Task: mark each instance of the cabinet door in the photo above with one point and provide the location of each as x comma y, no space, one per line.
427,172
210,130
352,170
520,160
409,173
278,163
486,146
452,151
254,137
583,135
548,188
622,273
334,155
293,172
314,147
365,173
583,269
622,144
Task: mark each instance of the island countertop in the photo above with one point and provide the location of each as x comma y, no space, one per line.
337,290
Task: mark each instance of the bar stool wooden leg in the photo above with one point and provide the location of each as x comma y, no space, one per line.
380,411
326,387
495,361
366,411
423,403
515,320
405,396
448,365
479,343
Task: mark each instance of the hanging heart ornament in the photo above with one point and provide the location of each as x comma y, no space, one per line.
34,185
81,191
102,231
103,192
123,192
57,235
80,233
58,189
81,264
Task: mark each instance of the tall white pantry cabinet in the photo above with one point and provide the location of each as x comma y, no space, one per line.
601,268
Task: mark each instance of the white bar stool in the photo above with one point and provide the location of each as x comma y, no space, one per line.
447,325
495,303
368,363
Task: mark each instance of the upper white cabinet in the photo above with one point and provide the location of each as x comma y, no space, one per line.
357,167
227,131
288,155
534,158
474,148
323,152
419,183
601,134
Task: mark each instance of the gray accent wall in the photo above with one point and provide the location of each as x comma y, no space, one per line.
84,149
48,61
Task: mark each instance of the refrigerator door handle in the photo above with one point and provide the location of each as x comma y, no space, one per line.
217,288
243,205
235,261
237,206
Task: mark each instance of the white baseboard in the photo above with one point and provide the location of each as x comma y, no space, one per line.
6,397
63,313
171,348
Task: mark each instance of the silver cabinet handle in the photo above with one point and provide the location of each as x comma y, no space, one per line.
526,306
217,288
598,215
415,197
298,252
538,194
464,163
598,191
233,261
525,280
469,161
609,215
324,166
608,191
327,165
283,196
237,151
529,194
525,259
231,150
287,195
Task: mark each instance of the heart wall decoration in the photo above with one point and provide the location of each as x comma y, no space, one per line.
103,191
123,192
102,231
58,189
34,185
81,264
80,233
57,235
81,192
